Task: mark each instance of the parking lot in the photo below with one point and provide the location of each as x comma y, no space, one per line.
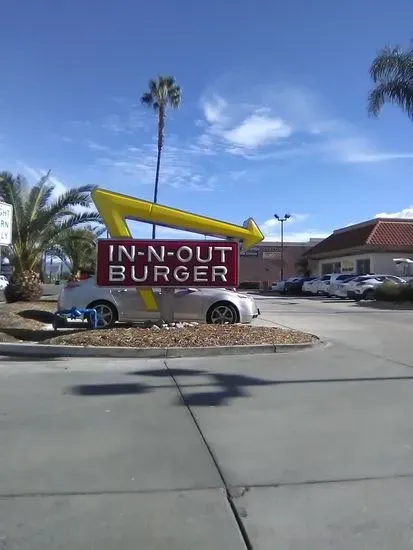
310,450
359,326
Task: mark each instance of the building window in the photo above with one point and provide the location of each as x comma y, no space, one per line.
363,267
335,267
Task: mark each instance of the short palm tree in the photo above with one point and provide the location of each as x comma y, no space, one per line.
162,94
38,220
76,247
392,74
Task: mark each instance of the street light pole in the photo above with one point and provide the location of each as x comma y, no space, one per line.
282,220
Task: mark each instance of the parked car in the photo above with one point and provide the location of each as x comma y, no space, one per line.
278,286
337,279
3,282
364,290
210,305
323,285
295,285
311,286
347,288
343,287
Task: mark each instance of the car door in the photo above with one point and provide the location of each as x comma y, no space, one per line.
131,306
188,304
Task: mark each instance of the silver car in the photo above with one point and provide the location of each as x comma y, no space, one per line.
124,304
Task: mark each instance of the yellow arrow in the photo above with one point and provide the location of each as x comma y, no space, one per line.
115,209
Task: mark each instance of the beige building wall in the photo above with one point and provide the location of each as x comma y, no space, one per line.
380,262
263,263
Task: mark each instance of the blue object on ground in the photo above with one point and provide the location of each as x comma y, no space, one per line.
74,313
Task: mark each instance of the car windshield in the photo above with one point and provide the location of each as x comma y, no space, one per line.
349,280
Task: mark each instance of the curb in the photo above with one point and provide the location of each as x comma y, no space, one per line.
43,350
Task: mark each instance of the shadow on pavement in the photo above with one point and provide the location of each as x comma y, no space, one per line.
222,387
110,389
385,306
27,359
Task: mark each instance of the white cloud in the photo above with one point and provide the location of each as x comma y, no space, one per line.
96,146
59,186
299,236
271,230
139,163
404,213
257,130
351,148
362,157
214,110
126,123
234,127
272,225
269,126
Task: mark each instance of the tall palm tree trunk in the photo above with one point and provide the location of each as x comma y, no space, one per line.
161,125
155,192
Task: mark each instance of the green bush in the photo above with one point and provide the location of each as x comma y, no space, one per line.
249,285
392,292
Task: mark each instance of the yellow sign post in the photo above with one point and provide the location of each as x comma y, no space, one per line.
115,209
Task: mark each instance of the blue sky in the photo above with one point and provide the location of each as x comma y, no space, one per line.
273,117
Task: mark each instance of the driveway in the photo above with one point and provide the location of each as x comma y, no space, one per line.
307,451
384,333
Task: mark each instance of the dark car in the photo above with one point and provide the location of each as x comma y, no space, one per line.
295,286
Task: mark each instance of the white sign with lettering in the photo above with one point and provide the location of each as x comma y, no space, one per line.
6,223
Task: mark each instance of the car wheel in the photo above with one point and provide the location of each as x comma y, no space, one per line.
107,314
222,313
369,294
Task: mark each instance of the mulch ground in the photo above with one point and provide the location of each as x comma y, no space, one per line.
201,335
27,321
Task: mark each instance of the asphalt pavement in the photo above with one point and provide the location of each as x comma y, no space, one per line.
309,450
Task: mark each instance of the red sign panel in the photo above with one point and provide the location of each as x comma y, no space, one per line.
132,262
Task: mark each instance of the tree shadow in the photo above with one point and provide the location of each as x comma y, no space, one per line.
110,389
42,316
35,335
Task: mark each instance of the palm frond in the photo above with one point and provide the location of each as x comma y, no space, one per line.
392,63
396,92
39,196
392,74
147,99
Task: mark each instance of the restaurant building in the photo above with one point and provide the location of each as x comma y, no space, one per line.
367,247
262,263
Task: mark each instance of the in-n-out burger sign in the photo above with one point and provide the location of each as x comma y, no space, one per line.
132,262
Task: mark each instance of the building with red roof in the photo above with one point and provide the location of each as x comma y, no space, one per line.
367,247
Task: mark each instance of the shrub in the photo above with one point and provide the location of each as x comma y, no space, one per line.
249,285
392,292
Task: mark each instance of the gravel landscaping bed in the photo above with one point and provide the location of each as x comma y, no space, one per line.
26,321
31,322
190,336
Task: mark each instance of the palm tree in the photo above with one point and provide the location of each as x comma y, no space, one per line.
162,93
303,266
76,247
392,74
38,220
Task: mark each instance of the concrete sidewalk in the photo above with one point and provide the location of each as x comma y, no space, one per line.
309,450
